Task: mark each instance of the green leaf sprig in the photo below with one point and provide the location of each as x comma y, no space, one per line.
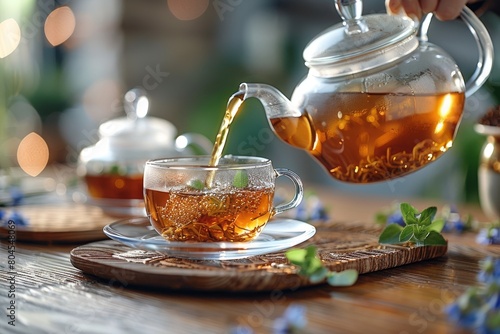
240,179
311,266
420,228
196,184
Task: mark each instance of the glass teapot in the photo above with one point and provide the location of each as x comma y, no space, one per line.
113,168
379,101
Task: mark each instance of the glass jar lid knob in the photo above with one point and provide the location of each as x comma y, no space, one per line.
350,11
136,103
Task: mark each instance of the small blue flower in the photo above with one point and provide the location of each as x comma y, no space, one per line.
241,330
489,236
319,215
454,311
311,208
454,223
491,324
17,195
293,320
301,212
470,318
490,271
318,211
18,219
494,301
479,307
396,218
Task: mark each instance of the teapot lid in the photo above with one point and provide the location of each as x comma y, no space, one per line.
360,43
136,136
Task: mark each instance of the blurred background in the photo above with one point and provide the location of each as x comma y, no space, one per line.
66,65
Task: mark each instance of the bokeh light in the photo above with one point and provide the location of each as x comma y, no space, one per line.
10,36
59,25
187,9
32,154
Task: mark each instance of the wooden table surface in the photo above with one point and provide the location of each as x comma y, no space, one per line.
52,296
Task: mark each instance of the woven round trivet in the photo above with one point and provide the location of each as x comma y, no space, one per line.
340,246
58,223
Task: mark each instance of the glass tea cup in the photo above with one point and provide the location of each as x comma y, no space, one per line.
189,200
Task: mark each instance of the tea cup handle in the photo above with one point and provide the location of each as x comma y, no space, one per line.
299,191
484,46
193,139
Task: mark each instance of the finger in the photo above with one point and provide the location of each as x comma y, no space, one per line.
394,7
429,6
449,9
412,8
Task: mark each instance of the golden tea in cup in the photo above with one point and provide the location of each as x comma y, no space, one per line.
189,200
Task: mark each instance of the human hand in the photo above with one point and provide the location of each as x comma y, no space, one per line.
442,9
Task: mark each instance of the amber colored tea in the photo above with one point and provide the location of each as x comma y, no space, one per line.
373,137
227,214
113,186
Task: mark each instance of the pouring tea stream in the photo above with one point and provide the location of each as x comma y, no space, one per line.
379,100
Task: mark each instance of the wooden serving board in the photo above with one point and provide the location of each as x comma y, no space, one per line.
340,247
59,223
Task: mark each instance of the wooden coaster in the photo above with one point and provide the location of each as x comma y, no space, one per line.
340,246
59,223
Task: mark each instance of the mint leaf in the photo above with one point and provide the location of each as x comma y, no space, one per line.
434,239
115,169
306,259
296,255
310,252
409,214
312,267
381,218
427,216
196,184
420,228
344,278
390,235
312,264
407,233
240,179
421,233
319,275
436,225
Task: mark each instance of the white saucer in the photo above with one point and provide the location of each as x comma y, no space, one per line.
279,234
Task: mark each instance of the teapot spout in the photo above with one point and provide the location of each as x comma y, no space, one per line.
275,103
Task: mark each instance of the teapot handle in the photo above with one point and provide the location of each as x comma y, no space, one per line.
484,45
199,141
